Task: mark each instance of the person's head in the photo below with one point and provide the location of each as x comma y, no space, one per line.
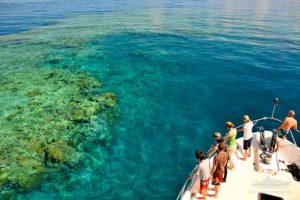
217,136
291,113
200,155
229,125
246,118
221,146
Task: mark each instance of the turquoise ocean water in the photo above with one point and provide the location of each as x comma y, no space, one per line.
180,69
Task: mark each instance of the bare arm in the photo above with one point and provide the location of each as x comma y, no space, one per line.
240,129
296,126
227,135
277,129
212,150
195,173
213,169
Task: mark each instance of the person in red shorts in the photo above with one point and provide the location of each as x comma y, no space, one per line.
203,172
218,168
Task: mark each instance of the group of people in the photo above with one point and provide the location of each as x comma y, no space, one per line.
226,147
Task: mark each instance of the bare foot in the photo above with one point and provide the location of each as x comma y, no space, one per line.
230,167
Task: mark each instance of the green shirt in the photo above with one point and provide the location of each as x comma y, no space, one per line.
231,140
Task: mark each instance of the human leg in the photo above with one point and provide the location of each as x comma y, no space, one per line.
217,189
249,147
250,151
231,151
283,137
225,174
203,188
217,180
244,150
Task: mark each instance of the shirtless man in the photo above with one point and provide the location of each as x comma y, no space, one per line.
219,163
288,123
214,148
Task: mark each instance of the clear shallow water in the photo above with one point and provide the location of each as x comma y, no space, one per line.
180,71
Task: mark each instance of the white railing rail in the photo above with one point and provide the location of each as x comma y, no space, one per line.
185,184
293,136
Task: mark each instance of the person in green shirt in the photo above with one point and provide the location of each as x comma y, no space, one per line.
231,142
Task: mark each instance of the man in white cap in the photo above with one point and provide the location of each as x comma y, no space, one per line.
214,147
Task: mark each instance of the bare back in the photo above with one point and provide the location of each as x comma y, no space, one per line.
220,161
288,123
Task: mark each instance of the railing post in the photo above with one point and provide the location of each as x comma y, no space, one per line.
293,138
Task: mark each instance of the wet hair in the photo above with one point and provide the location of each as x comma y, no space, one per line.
221,146
291,113
200,155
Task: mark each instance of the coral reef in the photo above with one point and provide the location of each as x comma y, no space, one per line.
51,112
46,119
61,152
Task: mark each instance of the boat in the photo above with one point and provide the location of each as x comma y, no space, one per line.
255,178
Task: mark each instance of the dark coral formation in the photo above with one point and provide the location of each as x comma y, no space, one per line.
46,115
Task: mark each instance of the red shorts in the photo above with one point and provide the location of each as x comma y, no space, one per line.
217,178
204,184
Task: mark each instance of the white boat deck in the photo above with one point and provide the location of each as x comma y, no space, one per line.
246,180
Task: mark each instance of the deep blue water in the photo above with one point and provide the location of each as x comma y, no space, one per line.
178,86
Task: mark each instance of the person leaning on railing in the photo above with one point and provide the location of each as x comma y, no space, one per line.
218,138
231,142
285,127
218,168
247,137
214,148
203,173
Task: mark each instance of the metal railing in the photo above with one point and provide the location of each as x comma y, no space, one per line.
185,184
188,180
254,123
